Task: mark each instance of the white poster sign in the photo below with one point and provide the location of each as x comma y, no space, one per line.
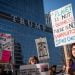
36,69
63,25
6,41
42,48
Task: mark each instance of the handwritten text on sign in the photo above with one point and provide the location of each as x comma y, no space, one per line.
63,25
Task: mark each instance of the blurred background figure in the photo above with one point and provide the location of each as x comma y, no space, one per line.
63,70
53,70
33,60
50,71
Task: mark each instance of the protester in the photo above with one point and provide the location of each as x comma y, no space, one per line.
62,71
73,58
52,70
33,60
71,62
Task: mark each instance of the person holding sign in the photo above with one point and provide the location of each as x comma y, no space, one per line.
71,61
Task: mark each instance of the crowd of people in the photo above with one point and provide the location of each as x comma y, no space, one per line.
67,69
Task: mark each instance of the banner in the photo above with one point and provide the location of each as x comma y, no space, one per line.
63,25
5,47
42,48
36,69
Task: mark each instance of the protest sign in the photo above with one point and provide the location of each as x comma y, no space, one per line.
63,25
63,28
5,47
42,48
35,69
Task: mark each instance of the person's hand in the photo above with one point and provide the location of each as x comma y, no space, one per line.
67,69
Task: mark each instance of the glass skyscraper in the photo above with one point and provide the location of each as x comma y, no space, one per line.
24,19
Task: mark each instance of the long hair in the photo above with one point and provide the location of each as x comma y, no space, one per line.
30,59
71,55
36,58
71,60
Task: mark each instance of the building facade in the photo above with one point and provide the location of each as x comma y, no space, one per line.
18,59
24,19
48,20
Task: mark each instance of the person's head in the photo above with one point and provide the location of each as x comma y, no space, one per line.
54,68
73,50
33,60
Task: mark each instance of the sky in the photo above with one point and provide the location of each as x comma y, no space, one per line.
56,4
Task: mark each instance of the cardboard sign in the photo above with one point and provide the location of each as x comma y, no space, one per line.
36,69
63,25
42,48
